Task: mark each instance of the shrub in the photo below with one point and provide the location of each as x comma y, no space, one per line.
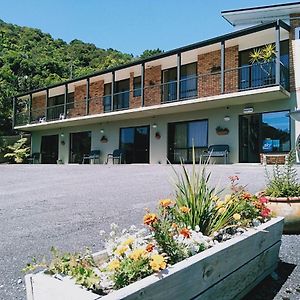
19,151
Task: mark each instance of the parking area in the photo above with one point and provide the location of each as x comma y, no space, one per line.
67,205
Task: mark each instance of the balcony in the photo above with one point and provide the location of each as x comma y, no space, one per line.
216,83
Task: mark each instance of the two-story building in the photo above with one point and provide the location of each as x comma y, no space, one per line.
158,108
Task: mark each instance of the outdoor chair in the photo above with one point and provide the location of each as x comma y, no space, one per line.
34,158
217,151
94,154
116,156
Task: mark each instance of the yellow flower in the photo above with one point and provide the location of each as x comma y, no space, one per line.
227,198
215,198
219,204
221,210
137,254
121,250
184,209
157,262
128,242
166,202
237,217
114,264
150,218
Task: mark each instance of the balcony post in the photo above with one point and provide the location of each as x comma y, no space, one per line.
87,97
14,113
65,100
277,50
178,74
30,108
112,90
143,84
47,98
222,67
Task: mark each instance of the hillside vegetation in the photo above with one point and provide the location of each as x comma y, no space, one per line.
31,59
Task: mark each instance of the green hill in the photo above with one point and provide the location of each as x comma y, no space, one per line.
30,59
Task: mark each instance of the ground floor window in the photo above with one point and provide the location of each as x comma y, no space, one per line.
183,136
134,141
264,133
49,149
80,144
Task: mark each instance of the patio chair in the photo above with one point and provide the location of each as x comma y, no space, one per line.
34,158
217,151
116,156
94,154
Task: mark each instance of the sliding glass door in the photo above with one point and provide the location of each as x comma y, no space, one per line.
49,149
183,136
80,144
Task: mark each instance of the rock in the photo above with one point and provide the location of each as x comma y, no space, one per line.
19,281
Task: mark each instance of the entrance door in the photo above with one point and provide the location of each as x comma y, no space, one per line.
49,149
80,144
134,141
249,129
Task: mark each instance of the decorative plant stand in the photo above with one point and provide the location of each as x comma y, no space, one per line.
228,270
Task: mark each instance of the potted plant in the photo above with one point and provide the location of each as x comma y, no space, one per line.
283,193
222,130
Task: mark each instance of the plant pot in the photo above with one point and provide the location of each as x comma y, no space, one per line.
224,132
250,257
289,208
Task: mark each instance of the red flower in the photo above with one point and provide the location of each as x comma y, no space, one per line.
265,212
185,232
263,200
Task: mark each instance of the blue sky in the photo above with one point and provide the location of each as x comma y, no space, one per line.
127,25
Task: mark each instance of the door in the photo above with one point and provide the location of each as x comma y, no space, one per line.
80,144
249,141
49,149
134,141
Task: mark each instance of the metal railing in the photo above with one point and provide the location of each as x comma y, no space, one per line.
204,85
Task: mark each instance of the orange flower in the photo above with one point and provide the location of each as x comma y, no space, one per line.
185,232
174,225
150,218
166,203
149,247
258,204
246,196
184,209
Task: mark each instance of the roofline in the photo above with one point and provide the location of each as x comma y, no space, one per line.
193,46
259,7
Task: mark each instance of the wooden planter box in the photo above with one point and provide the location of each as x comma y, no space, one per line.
228,270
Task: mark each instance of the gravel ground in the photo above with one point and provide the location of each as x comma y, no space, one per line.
67,205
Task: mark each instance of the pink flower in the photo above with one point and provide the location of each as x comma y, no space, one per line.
263,200
265,212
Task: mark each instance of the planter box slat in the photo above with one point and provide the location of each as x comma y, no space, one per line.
211,270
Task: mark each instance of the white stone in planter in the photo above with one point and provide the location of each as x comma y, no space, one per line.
228,270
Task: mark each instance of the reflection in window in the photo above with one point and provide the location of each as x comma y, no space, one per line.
276,132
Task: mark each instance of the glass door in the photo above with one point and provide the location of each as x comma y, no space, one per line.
49,149
80,144
134,141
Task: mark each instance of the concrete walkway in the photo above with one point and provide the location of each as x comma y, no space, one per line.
67,205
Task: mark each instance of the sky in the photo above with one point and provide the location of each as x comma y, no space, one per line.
130,26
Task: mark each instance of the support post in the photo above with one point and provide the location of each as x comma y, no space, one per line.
222,67
143,84
87,97
47,98
30,108
277,49
65,100
178,74
112,90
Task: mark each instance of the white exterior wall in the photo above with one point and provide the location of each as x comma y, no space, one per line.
158,148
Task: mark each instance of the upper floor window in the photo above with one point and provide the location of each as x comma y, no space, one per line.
137,84
107,97
169,88
188,81
121,94
297,33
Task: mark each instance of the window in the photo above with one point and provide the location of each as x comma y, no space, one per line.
70,101
137,84
297,33
107,97
183,136
121,95
188,81
169,88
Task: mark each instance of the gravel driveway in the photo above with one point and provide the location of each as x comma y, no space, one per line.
67,206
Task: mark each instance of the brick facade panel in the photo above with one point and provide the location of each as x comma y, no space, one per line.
96,97
152,94
38,107
134,102
79,102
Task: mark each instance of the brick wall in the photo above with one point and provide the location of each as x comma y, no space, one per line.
293,23
209,67
273,159
79,102
134,102
152,94
96,96
38,107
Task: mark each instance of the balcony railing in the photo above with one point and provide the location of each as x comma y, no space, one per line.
204,85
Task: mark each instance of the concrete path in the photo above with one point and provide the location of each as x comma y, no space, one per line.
67,205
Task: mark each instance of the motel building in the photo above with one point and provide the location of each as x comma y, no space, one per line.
157,109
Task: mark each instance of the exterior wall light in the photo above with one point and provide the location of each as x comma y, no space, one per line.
101,130
226,118
248,110
154,125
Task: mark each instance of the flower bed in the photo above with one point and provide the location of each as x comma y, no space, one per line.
211,240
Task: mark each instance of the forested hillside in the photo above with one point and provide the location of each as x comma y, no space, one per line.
30,59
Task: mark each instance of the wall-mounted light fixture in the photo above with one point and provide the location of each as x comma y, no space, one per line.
101,130
62,138
154,125
226,118
248,110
